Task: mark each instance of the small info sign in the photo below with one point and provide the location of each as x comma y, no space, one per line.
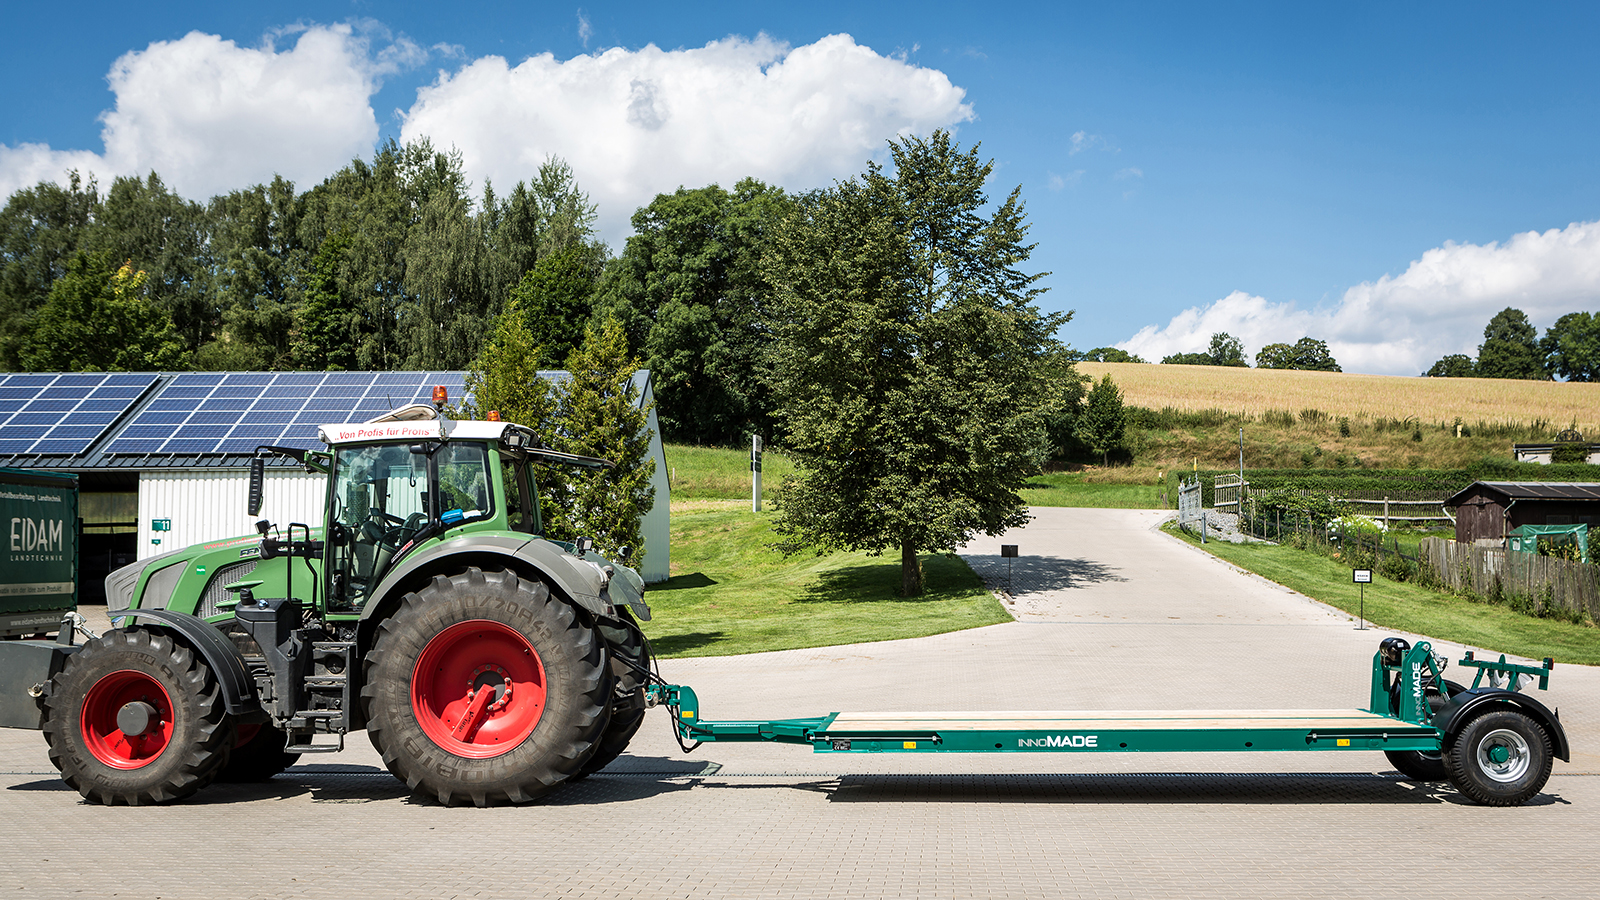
1361,576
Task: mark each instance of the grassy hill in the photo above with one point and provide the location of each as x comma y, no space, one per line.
1192,414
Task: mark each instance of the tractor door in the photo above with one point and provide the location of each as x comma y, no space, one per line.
379,501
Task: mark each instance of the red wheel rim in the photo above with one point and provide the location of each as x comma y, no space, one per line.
478,689
106,739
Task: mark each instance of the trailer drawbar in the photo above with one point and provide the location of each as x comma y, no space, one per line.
1492,742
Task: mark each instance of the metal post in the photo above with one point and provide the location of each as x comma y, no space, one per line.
755,473
1386,514
1202,526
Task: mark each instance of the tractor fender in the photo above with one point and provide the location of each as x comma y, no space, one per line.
1464,707
579,581
238,686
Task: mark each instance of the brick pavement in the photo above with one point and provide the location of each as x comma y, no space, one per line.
1095,630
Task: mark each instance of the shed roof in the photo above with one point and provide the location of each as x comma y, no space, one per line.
1530,490
175,402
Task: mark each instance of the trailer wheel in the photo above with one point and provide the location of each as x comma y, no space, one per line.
257,755
1500,758
1421,765
136,717
484,687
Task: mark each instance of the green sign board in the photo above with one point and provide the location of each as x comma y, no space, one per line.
160,524
38,542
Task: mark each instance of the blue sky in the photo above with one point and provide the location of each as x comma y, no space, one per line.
1385,179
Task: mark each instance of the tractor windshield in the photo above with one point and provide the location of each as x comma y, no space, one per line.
385,496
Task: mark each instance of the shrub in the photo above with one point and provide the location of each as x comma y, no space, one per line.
1570,452
1344,426
1395,567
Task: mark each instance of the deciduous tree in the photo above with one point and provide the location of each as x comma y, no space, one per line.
1510,348
98,320
913,370
1455,365
1571,347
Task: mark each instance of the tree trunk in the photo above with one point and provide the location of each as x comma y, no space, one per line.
910,571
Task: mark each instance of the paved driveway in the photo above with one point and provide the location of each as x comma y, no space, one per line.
1111,614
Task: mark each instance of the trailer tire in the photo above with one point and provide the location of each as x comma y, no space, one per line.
1420,765
1500,758
137,717
257,755
479,631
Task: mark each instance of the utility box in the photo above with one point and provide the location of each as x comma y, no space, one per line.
38,550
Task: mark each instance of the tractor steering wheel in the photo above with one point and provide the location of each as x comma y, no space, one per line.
383,529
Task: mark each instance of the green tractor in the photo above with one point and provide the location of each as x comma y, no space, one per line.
486,663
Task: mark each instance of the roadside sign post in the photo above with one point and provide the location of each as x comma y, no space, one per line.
755,472
1009,553
1362,577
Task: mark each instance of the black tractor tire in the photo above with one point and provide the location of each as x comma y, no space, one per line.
624,724
137,717
1501,757
454,639
1421,765
257,755
630,659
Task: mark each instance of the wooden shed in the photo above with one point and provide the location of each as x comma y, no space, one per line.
1488,510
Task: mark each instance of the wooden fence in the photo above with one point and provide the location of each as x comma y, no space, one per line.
1571,585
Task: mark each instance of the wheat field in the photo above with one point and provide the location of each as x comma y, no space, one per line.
1432,400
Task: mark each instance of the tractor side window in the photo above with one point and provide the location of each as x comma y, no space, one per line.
464,481
522,496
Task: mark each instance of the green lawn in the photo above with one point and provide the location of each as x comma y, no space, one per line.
704,473
731,594
1407,607
1070,489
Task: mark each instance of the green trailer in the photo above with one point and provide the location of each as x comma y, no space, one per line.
1494,743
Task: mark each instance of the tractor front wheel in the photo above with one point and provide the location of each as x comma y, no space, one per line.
485,687
136,717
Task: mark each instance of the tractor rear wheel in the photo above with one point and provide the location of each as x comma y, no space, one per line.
1500,758
484,687
136,717
630,660
258,755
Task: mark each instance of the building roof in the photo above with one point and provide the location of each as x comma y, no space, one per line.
198,420
1531,490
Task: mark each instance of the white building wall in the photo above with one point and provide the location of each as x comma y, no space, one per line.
657,525
209,504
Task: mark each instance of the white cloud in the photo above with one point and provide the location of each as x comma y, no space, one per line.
1130,172
585,30
210,116
1083,140
635,123
1399,325
1057,182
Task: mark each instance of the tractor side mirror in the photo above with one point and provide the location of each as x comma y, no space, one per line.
257,477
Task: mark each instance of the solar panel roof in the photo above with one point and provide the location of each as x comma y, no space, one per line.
234,412
64,413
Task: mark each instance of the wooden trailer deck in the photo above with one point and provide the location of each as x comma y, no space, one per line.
1121,731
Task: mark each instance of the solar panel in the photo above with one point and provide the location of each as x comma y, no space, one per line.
64,412
233,413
